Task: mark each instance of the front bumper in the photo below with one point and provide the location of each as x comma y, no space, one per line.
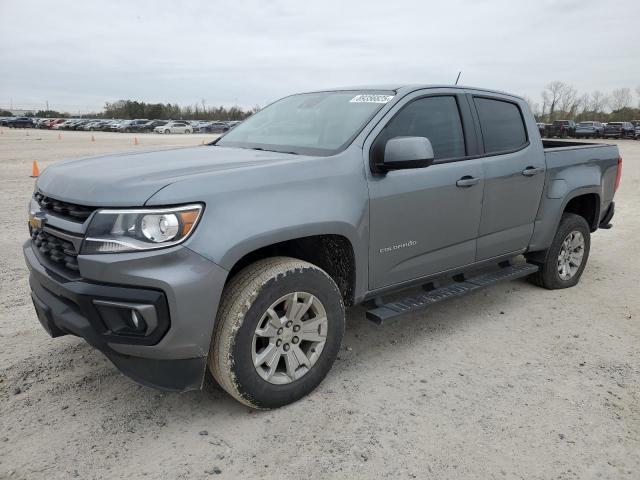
183,287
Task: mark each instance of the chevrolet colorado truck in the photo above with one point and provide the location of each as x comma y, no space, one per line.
241,256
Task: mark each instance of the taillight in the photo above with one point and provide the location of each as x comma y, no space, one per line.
618,175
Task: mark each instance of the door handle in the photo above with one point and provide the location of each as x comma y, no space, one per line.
467,181
531,171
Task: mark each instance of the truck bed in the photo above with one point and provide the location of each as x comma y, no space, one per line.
564,144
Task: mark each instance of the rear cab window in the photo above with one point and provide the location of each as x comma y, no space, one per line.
502,125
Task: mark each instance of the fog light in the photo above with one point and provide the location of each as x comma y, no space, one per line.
123,318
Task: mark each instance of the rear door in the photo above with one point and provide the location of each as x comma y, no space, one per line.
514,171
424,221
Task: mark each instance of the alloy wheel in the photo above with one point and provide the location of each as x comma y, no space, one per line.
571,254
289,338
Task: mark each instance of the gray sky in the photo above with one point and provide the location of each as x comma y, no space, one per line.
79,54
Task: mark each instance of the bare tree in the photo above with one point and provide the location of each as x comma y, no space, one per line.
551,96
621,98
638,93
568,101
583,102
598,102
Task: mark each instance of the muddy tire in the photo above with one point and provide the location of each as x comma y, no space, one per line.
278,331
567,256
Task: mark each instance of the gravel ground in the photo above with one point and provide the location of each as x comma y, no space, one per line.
510,382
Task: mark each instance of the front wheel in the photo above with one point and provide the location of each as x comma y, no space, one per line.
567,256
167,132
278,331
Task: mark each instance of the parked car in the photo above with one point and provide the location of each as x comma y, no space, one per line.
174,126
147,126
56,122
20,122
47,123
93,125
619,130
59,125
234,123
130,125
241,257
562,129
637,133
214,127
5,120
589,130
107,126
81,124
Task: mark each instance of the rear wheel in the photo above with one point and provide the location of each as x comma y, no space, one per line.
278,331
567,256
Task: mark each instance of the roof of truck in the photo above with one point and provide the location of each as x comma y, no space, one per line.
409,87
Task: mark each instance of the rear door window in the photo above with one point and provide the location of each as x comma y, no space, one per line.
502,125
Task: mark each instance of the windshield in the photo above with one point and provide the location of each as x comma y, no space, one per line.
320,123
586,124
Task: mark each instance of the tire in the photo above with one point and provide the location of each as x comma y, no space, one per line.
167,132
243,308
548,276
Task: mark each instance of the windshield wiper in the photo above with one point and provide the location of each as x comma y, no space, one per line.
276,151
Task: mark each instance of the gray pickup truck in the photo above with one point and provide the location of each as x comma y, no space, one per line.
242,255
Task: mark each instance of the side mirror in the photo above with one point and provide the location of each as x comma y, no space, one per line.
407,152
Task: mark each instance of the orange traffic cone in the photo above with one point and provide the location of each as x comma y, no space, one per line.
135,140
59,136
35,171
93,139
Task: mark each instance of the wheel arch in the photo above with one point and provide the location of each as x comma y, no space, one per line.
587,205
334,253
583,201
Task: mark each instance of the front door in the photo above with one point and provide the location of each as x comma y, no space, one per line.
425,220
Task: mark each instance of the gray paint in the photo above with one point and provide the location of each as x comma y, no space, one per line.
404,225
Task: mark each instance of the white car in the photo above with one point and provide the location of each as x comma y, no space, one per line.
174,127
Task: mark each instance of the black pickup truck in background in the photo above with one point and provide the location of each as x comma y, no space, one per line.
20,122
619,130
561,128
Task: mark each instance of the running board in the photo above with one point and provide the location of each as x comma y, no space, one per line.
384,312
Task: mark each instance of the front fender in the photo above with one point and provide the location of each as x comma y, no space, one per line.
253,208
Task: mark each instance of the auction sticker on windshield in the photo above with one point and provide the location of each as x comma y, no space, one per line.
371,99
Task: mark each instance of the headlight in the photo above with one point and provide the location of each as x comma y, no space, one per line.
116,231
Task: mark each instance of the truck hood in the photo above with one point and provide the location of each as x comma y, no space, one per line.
130,179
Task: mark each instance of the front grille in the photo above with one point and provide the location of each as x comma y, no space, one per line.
56,250
70,211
